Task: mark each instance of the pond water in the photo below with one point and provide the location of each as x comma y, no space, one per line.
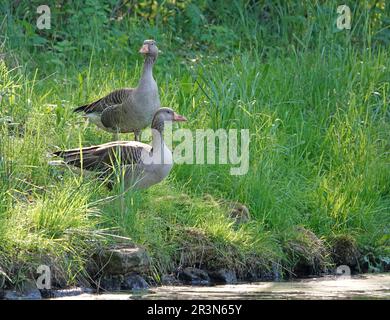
368,286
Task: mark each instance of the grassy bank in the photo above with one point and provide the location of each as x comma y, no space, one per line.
316,102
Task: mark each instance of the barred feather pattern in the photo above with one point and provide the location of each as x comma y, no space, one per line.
106,156
116,97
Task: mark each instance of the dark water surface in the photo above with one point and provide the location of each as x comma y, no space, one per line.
367,286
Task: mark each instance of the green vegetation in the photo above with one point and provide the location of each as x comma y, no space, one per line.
315,99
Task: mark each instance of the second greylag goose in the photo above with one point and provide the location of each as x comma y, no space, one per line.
129,109
144,165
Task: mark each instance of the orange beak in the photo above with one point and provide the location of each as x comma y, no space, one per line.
144,49
178,117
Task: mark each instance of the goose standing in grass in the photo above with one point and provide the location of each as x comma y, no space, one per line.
144,165
130,109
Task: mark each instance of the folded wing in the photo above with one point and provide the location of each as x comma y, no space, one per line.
116,97
105,156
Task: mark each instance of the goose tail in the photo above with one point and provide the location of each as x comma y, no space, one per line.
81,108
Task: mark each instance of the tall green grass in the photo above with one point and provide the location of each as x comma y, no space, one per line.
316,102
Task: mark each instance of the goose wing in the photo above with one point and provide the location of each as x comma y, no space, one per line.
116,97
105,156
112,116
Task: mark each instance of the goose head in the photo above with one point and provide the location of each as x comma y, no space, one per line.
165,114
149,49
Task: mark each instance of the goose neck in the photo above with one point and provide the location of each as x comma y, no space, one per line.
158,136
147,72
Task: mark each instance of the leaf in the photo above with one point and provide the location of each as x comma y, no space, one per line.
2,273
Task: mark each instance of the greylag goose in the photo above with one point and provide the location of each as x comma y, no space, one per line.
144,165
129,109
